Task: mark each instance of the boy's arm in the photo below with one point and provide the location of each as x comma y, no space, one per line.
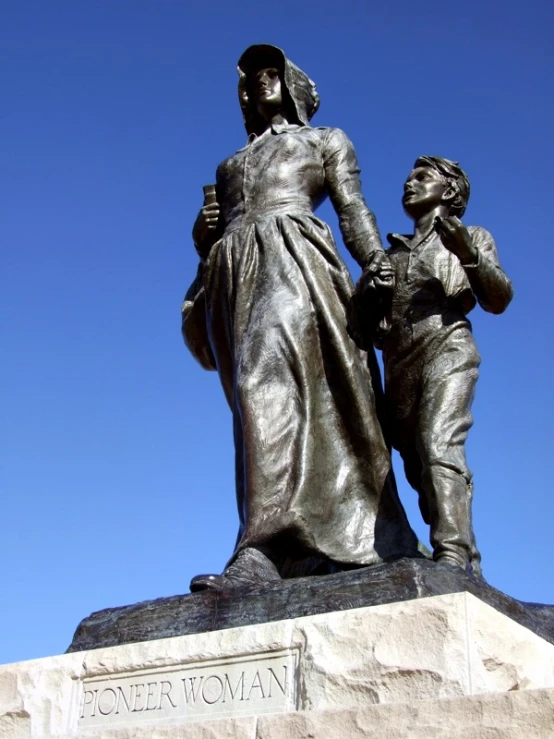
475,248
488,281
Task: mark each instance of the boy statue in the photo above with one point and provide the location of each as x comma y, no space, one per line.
430,359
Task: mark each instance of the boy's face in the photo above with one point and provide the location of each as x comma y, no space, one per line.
424,190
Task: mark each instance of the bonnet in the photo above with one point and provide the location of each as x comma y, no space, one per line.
299,90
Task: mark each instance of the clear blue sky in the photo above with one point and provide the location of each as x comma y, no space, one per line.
116,474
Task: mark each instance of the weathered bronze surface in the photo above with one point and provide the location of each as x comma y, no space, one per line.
268,311
436,277
273,310
213,610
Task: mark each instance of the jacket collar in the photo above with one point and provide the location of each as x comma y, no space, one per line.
407,242
276,128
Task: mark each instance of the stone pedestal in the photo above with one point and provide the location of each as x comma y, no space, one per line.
449,666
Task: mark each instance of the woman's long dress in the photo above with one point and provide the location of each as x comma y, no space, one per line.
311,462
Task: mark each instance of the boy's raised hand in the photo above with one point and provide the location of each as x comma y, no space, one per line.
457,239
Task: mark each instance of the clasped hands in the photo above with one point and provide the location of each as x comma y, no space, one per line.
379,274
370,305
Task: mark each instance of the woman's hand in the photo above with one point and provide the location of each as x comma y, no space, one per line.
378,275
369,311
204,229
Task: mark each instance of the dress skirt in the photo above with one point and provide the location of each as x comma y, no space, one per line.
312,467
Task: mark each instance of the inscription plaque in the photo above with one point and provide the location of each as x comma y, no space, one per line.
261,683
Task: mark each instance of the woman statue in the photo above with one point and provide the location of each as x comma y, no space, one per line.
268,311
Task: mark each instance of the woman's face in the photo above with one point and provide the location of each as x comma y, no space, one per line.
267,92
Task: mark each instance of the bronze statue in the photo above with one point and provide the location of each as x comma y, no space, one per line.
431,362
268,311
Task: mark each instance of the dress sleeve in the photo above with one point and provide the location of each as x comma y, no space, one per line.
342,176
488,281
193,322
